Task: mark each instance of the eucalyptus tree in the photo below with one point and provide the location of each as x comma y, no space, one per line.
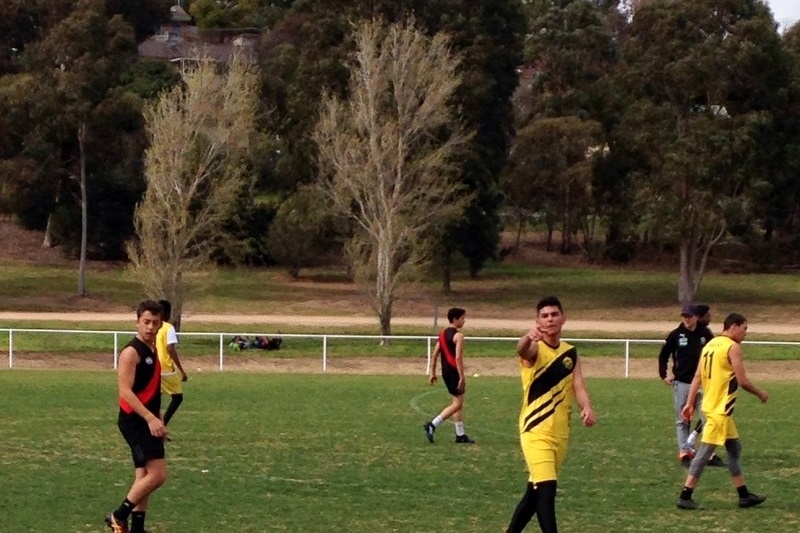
704,76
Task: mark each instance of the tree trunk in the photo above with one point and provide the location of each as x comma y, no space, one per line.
84,209
520,226
385,318
447,270
686,285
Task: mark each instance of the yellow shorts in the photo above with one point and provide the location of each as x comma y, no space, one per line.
171,383
718,429
544,455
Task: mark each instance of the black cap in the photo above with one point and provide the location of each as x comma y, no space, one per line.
689,310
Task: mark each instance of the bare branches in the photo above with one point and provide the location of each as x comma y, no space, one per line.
389,152
198,133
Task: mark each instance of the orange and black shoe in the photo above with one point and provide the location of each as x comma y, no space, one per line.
116,525
685,458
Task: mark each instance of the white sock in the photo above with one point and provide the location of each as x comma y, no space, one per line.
459,429
437,421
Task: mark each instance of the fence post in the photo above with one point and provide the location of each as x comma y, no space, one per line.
116,349
10,348
221,352
324,353
627,357
428,367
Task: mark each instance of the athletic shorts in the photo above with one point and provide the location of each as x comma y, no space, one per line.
718,429
171,383
544,455
451,382
144,446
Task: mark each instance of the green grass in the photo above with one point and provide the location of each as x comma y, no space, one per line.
199,344
339,454
502,289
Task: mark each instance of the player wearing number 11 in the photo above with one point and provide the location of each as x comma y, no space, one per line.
721,373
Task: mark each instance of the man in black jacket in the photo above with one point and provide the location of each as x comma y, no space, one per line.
684,345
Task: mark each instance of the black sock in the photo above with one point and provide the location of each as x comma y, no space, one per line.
137,522
124,510
177,399
686,493
743,492
546,506
525,510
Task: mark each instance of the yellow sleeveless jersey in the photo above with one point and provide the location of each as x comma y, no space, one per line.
718,379
547,391
161,348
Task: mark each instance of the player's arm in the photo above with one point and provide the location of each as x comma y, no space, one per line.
528,346
735,356
458,338
172,342
126,372
582,395
688,409
663,357
434,359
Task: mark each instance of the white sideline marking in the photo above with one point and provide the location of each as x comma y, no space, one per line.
414,404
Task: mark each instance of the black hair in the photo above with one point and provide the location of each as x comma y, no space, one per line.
454,313
702,309
149,305
167,307
733,319
548,301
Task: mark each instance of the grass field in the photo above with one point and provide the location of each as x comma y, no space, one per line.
341,454
502,290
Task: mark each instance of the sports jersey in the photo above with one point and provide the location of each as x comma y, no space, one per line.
146,381
166,336
447,345
718,379
547,391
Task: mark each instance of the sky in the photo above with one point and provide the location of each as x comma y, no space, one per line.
786,12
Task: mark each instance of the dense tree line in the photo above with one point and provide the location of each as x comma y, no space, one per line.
654,127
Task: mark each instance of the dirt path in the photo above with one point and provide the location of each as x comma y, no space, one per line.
656,327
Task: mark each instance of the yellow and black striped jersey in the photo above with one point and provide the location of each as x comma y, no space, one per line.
547,391
718,379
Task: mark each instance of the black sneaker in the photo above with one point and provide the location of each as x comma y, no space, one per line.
751,500
716,461
430,429
464,439
689,504
115,525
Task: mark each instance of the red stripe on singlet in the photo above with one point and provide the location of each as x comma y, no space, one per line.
145,395
451,358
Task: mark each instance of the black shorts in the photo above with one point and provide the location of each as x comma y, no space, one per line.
136,433
451,381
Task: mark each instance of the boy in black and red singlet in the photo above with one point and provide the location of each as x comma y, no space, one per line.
451,347
140,422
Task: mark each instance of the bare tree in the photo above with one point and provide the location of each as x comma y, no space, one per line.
388,153
198,133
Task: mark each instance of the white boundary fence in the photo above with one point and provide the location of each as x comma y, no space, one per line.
430,341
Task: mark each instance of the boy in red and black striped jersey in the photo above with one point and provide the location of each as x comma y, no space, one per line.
139,383
451,347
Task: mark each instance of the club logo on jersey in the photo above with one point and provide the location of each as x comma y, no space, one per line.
568,363
149,360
